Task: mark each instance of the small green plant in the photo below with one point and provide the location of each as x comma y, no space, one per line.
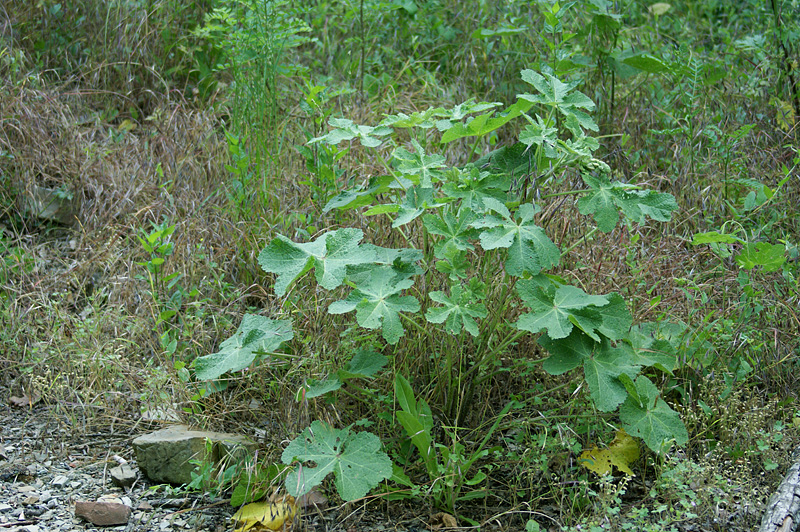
447,466
165,289
248,40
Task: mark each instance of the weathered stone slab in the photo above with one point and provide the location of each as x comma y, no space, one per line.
163,455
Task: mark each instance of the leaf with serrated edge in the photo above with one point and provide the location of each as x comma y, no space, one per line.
356,459
378,304
530,249
256,334
557,313
365,363
329,255
457,311
455,229
604,200
655,422
601,371
567,353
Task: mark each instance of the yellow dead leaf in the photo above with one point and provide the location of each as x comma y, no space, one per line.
266,515
621,453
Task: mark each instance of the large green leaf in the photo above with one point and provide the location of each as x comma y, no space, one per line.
561,96
539,133
356,459
329,255
418,200
567,353
605,199
417,166
378,303
529,247
647,63
602,371
769,256
473,185
359,197
426,119
511,160
256,335
344,129
603,364
648,349
365,363
646,415
455,230
616,317
458,310
558,312
485,123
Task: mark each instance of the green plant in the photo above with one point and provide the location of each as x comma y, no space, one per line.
165,289
253,36
459,208
355,459
474,207
448,466
240,188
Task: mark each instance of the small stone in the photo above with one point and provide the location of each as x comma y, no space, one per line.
75,485
123,476
29,500
5,507
60,481
45,496
103,513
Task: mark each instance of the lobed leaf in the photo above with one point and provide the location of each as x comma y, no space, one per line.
377,302
256,335
356,460
650,418
529,248
329,255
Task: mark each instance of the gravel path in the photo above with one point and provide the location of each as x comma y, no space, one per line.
46,466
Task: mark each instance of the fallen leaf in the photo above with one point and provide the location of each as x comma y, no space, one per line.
25,400
313,499
620,453
266,515
443,520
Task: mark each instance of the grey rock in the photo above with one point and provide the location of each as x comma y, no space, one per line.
123,475
164,455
